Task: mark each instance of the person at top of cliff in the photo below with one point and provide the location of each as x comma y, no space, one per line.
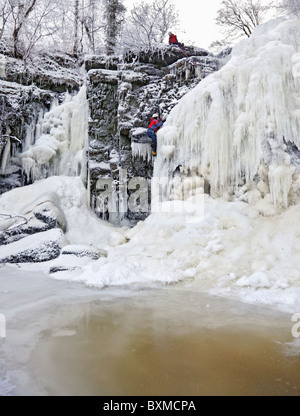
174,41
154,126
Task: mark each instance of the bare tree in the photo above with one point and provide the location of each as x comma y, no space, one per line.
240,17
4,16
167,18
89,24
71,26
114,15
292,7
37,27
149,23
93,23
20,11
76,26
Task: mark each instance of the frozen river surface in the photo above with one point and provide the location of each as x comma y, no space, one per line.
67,339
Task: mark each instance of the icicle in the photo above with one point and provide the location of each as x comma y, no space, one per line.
280,178
141,148
199,72
142,151
54,146
223,126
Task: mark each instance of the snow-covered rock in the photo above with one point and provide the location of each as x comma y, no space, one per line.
42,214
36,248
73,258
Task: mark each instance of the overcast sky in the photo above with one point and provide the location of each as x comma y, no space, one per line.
197,19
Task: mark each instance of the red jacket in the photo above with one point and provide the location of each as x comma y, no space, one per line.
173,39
155,124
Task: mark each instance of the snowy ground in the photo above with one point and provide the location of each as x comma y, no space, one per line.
231,250
242,266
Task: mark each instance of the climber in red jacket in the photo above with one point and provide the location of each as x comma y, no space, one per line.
173,40
154,126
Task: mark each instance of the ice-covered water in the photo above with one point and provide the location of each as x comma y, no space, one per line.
68,339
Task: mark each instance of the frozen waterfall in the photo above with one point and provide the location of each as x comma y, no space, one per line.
239,128
54,145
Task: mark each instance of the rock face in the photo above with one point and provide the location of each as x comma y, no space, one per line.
122,96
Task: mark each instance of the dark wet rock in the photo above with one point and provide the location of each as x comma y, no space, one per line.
36,248
83,251
74,257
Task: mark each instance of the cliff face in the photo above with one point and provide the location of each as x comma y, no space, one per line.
122,96
42,117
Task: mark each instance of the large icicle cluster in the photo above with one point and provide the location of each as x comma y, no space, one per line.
240,127
54,146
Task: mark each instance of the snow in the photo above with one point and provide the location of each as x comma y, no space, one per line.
230,250
138,131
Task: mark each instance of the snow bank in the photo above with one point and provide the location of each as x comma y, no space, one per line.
231,251
82,227
242,120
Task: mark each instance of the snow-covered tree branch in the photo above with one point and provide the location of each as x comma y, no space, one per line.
114,16
20,11
149,23
4,16
292,7
239,18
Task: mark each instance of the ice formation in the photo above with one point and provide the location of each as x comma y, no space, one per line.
240,127
54,146
142,150
141,144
